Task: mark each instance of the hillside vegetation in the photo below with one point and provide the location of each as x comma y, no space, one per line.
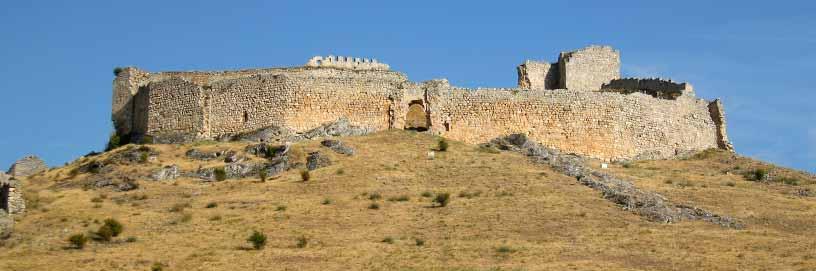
380,209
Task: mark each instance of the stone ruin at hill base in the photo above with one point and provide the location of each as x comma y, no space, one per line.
578,104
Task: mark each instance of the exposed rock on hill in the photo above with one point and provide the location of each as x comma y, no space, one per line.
650,205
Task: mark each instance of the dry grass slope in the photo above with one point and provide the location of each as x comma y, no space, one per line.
504,214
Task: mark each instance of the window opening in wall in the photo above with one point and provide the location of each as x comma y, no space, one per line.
246,117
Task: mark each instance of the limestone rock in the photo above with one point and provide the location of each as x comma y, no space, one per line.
317,160
6,225
170,172
650,205
27,166
203,156
337,146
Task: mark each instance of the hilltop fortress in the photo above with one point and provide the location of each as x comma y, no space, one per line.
578,104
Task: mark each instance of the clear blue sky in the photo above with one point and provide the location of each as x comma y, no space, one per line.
56,57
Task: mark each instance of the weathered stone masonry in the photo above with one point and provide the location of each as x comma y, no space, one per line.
578,104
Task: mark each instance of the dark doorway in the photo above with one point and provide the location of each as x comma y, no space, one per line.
4,197
416,118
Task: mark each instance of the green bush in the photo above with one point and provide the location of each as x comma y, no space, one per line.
157,267
302,242
117,71
258,240
442,145
305,175
789,181
505,249
104,234
211,205
374,196
420,242
399,198
262,175
388,240
115,226
426,194
326,202
114,141
220,174
441,199
759,174
374,206
78,240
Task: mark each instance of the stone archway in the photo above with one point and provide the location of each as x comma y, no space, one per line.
417,118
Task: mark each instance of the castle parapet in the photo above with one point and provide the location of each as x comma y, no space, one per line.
344,62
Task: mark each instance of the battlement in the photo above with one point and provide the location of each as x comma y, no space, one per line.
344,62
578,105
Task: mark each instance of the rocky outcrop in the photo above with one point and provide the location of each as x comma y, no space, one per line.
6,225
27,166
650,205
170,172
317,160
337,146
341,127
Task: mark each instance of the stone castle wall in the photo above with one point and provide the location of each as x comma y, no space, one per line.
185,106
597,124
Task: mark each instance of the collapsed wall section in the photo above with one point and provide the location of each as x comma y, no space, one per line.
536,75
658,88
602,125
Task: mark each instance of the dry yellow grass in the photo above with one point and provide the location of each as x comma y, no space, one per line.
513,215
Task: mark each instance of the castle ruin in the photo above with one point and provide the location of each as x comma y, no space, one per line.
578,104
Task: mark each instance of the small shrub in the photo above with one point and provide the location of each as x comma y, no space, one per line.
388,240
326,202
97,199
186,217
374,206
280,208
215,218
420,242
211,205
220,174
505,249
341,171
147,139
374,196
668,182
442,145
157,267
399,198
117,71
789,181
114,141
258,240
131,239
143,157
426,194
470,194
104,234
302,242
262,175
756,175
731,184
115,226
78,241
442,199
305,175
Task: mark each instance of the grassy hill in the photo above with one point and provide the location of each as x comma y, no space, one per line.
374,211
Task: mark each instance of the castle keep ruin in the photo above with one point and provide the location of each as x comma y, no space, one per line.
578,104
